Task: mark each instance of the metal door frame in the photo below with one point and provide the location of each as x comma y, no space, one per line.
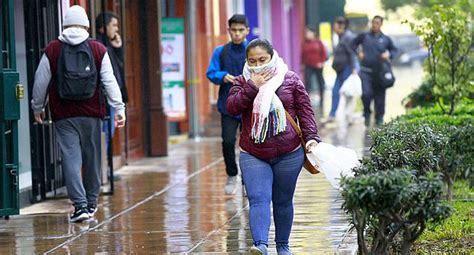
42,20
9,78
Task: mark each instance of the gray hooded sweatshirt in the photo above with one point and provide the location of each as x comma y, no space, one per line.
75,36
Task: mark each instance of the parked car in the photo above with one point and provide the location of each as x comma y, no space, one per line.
410,49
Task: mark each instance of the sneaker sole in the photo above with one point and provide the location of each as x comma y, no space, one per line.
92,214
255,251
80,218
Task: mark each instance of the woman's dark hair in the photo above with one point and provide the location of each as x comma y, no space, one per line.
103,20
263,43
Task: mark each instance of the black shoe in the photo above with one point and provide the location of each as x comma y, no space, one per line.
80,214
91,209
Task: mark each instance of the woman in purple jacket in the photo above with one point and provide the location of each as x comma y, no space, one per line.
271,155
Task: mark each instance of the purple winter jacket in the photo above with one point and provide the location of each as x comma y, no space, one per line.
296,101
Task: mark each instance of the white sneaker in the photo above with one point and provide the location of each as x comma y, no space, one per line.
231,187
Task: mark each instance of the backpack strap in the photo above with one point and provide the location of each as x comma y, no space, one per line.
223,54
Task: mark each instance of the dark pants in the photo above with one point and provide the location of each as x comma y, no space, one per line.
229,133
372,91
309,72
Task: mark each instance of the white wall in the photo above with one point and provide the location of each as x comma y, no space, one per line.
235,7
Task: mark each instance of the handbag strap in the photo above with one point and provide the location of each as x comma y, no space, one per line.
297,129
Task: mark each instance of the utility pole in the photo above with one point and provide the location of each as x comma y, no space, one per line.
193,105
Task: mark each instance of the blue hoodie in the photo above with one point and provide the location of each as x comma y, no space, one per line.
233,63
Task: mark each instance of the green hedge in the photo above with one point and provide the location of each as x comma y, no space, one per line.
461,109
392,205
435,147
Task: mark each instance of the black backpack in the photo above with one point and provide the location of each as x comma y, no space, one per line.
76,74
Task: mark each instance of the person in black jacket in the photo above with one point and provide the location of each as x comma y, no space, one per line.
376,47
107,27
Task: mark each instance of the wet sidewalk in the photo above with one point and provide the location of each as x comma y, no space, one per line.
177,205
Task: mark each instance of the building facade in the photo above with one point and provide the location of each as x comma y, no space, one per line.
204,26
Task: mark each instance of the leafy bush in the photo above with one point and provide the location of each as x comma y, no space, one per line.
466,109
392,204
446,32
398,145
426,142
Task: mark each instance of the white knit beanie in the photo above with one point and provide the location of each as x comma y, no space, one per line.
76,15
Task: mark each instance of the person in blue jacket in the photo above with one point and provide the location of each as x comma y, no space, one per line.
376,47
226,64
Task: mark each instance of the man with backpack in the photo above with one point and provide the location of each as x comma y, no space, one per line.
374,52
226,64
69,74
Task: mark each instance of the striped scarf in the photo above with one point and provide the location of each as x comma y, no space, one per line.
268,114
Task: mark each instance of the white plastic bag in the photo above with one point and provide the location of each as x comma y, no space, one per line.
334,161
352,86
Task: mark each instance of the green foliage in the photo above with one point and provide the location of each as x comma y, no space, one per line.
395,203
453,235
459,225
446,32
463,190
426,141
390,206
425,5
399,144
466,109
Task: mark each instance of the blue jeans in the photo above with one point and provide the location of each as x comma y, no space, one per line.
271,181
340,78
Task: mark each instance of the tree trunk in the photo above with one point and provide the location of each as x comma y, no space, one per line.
406,247
381,249
450,189
451,109
359,224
